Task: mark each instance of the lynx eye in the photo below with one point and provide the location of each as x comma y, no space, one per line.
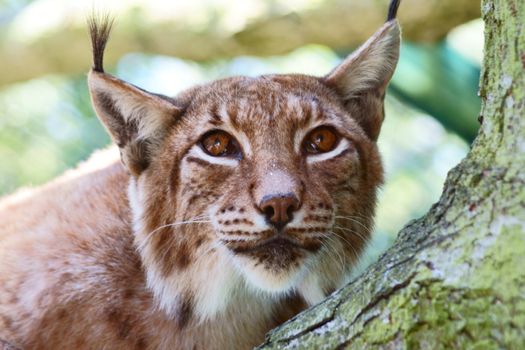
321,140
218,143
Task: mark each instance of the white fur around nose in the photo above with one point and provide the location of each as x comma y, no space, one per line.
275,181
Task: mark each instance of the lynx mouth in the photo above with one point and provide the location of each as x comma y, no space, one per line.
278,244
274,263
272,243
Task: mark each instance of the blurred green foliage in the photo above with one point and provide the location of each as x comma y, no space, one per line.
438,80
46,126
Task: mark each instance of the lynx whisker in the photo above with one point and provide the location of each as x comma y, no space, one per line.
213,245
354,251
353,219
365,241
173,224
328,245
354,232
341,261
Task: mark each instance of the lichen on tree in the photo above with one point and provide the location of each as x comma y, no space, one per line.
454,279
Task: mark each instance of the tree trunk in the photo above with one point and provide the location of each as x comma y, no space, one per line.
51,37
455,278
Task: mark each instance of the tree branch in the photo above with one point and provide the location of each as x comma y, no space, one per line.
34,44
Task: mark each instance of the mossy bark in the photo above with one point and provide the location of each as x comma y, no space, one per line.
205,30
454,279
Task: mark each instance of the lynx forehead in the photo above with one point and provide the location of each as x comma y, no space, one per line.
239,202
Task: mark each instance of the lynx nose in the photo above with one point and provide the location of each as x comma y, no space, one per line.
279,209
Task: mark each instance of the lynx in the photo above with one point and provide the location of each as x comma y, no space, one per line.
235,205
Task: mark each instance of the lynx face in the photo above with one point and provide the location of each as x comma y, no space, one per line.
250,186
290,163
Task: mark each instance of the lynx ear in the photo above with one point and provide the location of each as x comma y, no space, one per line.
361,79
136,119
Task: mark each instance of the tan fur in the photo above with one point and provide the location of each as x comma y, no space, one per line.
163,252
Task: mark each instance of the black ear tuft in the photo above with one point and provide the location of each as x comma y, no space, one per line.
99,29
392,10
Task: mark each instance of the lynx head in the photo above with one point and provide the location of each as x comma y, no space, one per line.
259,186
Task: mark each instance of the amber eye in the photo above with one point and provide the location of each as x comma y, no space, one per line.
321,140
218,143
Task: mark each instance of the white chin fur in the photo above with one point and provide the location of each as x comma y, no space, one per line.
268,280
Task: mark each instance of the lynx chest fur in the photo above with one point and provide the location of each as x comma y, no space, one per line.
234,205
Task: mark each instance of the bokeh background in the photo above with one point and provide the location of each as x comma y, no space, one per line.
47,124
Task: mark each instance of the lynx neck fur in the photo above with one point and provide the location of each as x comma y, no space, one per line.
220,213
